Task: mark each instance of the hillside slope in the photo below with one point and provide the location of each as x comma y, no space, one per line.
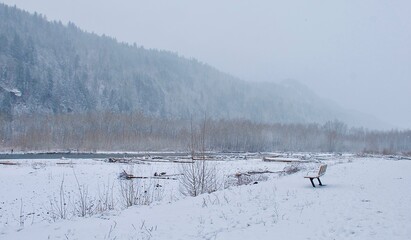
47,67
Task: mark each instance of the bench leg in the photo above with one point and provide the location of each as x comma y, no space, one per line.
312,182
319,181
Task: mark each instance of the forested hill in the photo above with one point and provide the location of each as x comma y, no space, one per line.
48,67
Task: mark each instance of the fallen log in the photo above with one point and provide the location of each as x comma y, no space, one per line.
65,163
181,161
285,160
171,175
249,173
262,172
127,176
166,178
9,163
119,160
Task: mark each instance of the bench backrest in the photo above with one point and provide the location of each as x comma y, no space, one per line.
322,170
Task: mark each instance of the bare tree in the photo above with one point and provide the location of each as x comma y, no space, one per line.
333,131
200,176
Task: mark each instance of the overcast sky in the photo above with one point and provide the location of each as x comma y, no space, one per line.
357,53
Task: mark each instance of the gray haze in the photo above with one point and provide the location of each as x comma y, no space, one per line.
356,53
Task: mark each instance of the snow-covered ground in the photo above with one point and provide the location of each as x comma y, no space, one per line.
363,198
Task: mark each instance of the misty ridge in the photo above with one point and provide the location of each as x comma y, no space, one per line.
63,88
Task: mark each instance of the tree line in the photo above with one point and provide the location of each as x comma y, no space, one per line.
112,131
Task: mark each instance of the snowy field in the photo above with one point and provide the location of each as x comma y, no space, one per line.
363,198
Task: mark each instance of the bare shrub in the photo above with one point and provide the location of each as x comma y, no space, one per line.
244,179
292,168
152,192
105,198
64,206
83,204
197,178
59,205
139,192
128,191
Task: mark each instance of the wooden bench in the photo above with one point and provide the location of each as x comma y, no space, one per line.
312,175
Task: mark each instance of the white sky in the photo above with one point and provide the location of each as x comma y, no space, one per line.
357,53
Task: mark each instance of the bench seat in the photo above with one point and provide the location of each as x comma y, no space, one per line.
317,174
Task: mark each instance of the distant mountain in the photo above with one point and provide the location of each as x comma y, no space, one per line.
47,67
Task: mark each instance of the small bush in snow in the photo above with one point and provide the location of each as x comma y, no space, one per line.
59,206
244,179
139,192
198,177
105,198
292,168
83,204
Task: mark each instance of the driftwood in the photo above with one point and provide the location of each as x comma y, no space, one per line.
261,172
145,161
163,161
171,175
180,161
151,160
125,175
166,178
282,159
119,160
249,173
65,163
9,163
208,159
159,174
